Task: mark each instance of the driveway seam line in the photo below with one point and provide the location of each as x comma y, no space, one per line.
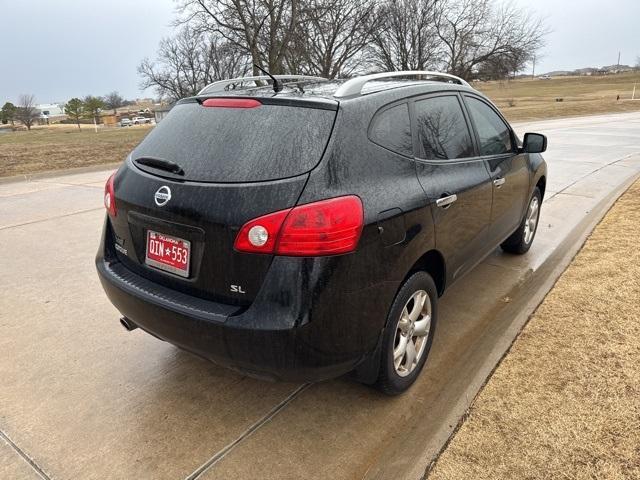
50,218
247,433
24,456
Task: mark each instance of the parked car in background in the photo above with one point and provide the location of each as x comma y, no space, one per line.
307,229
125,122
141,120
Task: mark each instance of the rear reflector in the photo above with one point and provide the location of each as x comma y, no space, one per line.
327,227
231,102
109,196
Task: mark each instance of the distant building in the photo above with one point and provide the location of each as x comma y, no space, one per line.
617,68
586,71
109,119
51,112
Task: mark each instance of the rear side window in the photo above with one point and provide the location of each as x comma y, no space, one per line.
217,144
391,129
442,128
494,134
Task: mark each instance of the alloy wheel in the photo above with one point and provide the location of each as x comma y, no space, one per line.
532,220
412,333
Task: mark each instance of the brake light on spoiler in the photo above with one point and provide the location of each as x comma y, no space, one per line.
231,102
327,227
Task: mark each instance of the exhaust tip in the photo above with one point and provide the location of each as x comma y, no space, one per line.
128,324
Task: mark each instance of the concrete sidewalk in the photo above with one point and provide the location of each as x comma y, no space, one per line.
81,398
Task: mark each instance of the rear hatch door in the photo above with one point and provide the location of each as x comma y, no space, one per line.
200,175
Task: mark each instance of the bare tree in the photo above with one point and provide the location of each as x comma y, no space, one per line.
263,29
406,38
189,61
331,37
222,60
219,38
502,65
474,32
27,113
113,101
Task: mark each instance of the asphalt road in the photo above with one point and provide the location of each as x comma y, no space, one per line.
80,398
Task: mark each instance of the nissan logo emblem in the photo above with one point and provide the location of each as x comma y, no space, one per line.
162,196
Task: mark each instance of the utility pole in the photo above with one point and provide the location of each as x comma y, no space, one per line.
533,70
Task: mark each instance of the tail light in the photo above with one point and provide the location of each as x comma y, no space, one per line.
327,227
109,197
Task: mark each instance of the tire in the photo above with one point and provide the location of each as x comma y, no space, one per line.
395,376
520,241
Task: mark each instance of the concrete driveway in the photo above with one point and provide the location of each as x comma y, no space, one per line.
80,398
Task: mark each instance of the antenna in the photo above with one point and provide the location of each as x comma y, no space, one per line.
277,87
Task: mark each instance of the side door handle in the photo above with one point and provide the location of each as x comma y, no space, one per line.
445,202
498,182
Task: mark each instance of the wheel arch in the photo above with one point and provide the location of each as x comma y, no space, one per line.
433,263
542,185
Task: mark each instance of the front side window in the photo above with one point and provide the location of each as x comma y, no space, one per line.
391,129
494,134
442,129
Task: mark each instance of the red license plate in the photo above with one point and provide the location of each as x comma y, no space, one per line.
167,253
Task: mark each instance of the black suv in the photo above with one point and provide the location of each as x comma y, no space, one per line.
304,229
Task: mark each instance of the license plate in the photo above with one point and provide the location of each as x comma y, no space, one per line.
168,253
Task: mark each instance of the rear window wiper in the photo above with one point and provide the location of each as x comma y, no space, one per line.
161,164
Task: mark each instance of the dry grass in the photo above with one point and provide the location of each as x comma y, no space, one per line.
565,401
59,147
536,99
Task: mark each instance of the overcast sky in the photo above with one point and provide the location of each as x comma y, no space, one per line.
58,49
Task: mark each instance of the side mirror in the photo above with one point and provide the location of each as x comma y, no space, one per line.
534,143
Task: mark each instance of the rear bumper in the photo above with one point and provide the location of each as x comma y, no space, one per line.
282,354
306,322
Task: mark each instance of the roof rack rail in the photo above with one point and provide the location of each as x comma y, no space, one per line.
354,85
221,85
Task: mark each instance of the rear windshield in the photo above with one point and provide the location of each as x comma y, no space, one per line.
214,144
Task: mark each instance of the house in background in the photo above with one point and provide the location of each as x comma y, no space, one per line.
51,113
108,119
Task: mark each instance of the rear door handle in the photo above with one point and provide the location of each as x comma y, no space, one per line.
498,182
445,202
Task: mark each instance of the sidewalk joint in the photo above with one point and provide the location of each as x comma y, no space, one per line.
247,433
24,456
